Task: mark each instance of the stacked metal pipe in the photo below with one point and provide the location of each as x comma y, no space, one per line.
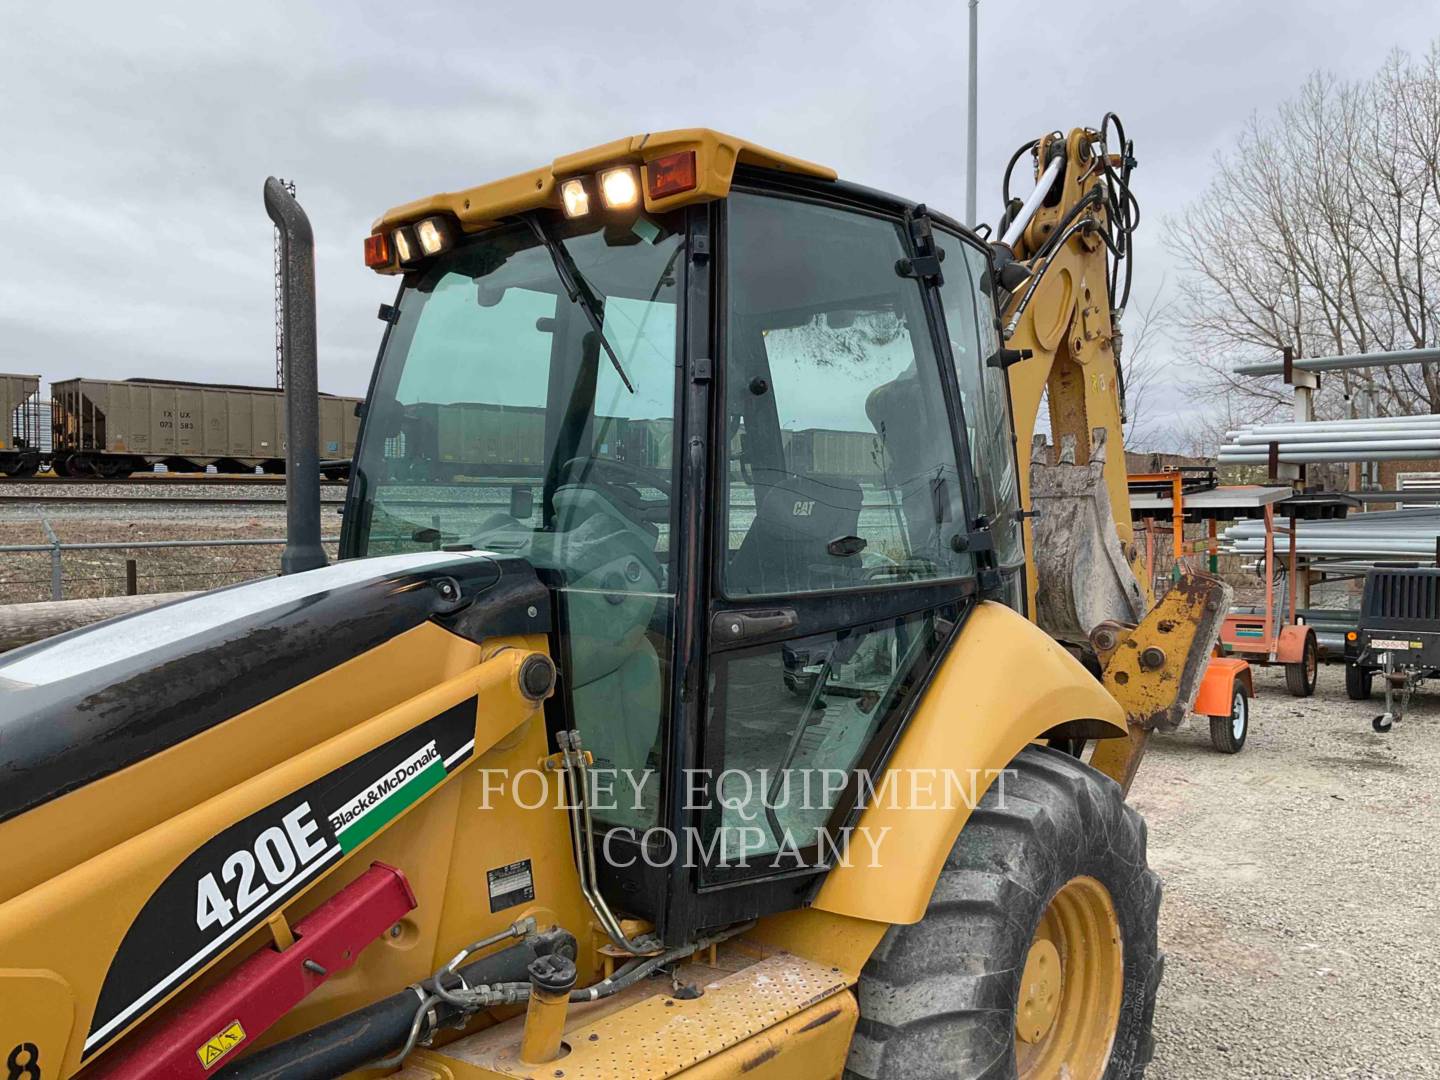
1389,438
1379,535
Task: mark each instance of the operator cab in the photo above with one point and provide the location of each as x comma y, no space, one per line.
763,464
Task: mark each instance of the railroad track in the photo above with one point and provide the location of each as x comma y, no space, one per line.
161,479
66,499
147,500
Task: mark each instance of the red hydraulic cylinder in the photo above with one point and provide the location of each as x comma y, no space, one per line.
215,1028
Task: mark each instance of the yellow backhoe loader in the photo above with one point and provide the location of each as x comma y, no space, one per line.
707,686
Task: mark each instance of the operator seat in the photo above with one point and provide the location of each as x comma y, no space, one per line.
786,548
902,415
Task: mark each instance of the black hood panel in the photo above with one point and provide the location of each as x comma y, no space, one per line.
86,704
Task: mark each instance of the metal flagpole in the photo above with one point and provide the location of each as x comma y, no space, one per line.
971,135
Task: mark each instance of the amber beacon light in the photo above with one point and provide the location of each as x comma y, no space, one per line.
671,174
377,250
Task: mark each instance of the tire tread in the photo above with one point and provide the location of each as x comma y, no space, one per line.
937,997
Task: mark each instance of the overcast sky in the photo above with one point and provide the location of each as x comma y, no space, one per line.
136,136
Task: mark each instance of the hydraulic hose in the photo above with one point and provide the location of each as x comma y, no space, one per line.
1010,168
396,1023
1038,274
360,1037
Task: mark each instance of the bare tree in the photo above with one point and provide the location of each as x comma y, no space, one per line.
1321,231
1144,328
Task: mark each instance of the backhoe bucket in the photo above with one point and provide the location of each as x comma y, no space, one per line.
1082,576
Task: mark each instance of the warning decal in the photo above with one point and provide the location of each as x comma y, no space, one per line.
220,1044
511,884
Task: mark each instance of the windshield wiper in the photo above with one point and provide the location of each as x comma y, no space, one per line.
580,292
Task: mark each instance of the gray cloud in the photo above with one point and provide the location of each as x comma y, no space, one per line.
136,136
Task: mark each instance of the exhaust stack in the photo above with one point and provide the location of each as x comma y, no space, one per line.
303,550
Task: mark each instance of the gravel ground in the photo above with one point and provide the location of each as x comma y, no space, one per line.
1301,918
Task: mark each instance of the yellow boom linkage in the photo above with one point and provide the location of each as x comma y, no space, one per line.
1061,323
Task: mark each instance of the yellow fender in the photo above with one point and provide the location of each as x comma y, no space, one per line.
1004,683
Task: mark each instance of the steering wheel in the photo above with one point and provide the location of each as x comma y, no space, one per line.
618,481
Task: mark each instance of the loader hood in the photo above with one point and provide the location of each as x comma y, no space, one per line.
88,703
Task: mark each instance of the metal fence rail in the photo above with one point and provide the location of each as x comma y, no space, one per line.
57,549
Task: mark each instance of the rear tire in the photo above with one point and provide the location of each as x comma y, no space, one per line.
1300,677
1228,733
940,998
1359,682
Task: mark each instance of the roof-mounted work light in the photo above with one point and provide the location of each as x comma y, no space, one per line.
406,246
574,197
435,235
620,188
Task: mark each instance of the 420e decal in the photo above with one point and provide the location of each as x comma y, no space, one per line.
241,876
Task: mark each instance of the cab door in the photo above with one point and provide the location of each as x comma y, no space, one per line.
838,535
972,339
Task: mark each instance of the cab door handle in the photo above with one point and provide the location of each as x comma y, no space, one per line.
732,626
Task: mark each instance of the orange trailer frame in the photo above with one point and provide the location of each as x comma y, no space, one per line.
1256,639
1260,638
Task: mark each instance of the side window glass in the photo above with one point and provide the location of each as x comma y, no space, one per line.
842,468
797,719
985,396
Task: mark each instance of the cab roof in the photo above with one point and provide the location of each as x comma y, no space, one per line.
716,156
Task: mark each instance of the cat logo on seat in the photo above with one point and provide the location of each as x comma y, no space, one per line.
803,508
220,1044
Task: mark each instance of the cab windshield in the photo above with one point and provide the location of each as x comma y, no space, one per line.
500,421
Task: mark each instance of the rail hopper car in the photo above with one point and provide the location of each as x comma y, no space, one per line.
113,428
19,424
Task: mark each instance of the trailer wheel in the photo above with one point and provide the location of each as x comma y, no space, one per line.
1228,733
1037,956
1300,677
1359,682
